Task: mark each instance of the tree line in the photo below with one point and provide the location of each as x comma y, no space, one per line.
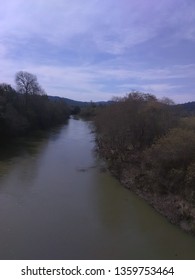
150,147
27,107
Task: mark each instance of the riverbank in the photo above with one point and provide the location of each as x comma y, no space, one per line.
177,210
22,113
174,207
150,147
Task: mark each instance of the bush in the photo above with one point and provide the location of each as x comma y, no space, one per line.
169,163
134,122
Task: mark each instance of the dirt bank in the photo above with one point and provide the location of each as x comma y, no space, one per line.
174,207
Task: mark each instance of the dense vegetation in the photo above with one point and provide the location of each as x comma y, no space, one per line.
28,108
150,147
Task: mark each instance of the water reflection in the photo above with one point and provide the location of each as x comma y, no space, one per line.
20,159
112,210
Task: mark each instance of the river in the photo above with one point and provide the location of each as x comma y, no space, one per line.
57,201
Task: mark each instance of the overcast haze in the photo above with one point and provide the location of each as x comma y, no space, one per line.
94,49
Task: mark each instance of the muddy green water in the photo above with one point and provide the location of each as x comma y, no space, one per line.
57,202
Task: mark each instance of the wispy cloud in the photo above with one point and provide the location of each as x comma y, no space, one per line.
93,82
84,50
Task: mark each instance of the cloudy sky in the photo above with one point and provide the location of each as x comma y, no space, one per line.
96,49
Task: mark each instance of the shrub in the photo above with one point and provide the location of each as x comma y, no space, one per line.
170,161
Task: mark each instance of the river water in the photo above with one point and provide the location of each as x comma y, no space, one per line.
58,202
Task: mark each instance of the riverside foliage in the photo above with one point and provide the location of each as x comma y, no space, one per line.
150,147
28,108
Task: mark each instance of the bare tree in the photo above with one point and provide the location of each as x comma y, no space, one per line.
27,83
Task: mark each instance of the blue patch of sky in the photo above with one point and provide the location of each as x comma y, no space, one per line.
156,53
39,51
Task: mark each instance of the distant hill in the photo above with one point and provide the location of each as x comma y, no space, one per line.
70,102
74,103
187,108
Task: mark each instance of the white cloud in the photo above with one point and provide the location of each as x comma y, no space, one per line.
113,26
90,82
110,28
3,50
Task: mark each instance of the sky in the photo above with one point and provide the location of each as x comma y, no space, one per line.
94,50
